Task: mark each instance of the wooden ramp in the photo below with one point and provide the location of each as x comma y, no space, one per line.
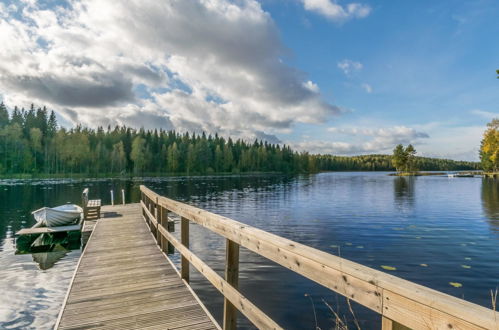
124,281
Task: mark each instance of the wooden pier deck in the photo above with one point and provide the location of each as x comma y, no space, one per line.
123,280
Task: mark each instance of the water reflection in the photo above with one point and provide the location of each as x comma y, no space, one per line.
48,248
490,201
403,188
372,218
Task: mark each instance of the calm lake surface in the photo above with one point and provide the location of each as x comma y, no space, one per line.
433,230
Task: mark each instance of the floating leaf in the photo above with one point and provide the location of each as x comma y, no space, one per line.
360,247
467,258
418,237
333,246
456,284
348,243
398,228
412,226
466,266
388,267
423,265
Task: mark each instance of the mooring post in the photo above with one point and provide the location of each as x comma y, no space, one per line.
123,196
184,239
112,197
232,277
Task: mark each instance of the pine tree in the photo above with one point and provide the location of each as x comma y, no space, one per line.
4,115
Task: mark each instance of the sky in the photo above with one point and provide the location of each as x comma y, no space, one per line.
323,76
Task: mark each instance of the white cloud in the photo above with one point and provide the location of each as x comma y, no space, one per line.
363,140
349,67
485,114
196,63
335,12
368,88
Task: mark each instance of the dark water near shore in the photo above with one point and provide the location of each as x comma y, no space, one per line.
451,225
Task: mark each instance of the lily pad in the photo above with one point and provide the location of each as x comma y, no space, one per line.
360,247
348,243
418,237
423,265
467,258
456,284
388,267
466,266
333,246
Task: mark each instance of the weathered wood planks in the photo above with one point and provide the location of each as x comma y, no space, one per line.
42,230
124,281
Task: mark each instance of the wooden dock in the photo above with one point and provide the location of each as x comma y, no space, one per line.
123,280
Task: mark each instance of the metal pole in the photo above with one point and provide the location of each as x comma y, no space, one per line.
112,197
123,196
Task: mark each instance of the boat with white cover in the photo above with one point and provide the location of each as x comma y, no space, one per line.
57,216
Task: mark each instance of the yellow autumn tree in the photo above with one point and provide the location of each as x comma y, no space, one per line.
489,149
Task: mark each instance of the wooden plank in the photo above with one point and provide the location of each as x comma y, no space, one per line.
42,230
123,280
232,277
364,285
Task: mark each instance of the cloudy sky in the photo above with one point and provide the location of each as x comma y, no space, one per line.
325,76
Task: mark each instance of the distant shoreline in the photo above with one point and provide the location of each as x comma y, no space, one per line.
28,176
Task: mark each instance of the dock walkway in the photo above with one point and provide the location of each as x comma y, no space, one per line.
123,280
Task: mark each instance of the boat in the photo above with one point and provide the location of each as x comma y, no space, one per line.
57,216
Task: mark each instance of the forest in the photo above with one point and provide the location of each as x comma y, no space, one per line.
31,142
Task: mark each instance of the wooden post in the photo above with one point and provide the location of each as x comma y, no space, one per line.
161,221
387,324
157,234
184,239
171,229
112,197
123,196
232,277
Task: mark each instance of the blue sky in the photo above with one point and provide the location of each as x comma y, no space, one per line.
339,77
429,65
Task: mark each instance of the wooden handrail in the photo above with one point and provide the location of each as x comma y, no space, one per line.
398,301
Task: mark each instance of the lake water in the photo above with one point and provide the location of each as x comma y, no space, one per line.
433,230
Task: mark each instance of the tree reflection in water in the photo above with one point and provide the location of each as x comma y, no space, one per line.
490,201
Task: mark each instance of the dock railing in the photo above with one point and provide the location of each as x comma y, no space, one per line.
402,304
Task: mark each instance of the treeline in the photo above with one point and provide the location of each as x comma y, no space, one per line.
32,143
384,163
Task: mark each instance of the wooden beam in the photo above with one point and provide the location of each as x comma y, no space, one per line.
246,307
232,277
184,238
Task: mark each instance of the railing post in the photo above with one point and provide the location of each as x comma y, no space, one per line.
123,196
171,229
158,234
387,324
232,277
184,239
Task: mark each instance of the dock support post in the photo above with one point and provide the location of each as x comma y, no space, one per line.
123,196
112,197
184,238
232,277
